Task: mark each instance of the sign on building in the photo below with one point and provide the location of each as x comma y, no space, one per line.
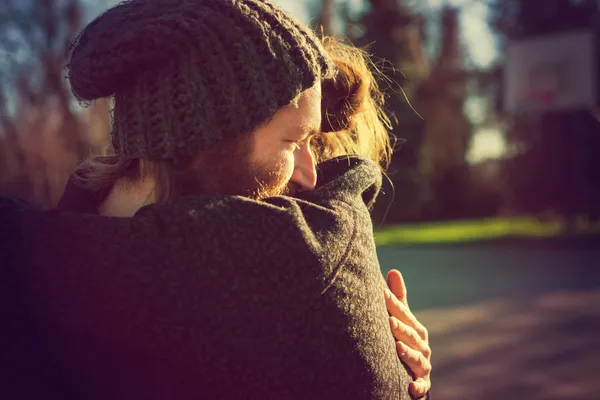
552,73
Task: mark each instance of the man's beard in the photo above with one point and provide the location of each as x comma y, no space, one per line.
239,176
229,170
265,183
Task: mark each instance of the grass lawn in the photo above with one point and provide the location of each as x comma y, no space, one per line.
484,229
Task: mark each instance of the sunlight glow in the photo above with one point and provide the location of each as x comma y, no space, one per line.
486,144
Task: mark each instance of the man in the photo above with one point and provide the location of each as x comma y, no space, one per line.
199,279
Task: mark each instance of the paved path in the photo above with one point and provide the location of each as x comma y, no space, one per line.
507,322
545,348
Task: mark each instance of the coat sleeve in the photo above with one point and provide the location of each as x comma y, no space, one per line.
176,276
188,244
206,237
175,250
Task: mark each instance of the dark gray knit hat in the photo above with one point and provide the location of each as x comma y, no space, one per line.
187,74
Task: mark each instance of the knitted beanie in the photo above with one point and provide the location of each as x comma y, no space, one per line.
188,74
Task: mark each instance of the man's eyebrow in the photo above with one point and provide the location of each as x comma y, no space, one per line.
307,131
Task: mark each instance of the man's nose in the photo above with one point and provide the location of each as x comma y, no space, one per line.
305,173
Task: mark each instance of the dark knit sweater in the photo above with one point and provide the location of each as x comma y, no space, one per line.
203,297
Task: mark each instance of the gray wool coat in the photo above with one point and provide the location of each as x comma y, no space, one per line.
203,297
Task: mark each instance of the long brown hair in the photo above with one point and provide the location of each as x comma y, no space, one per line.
353,123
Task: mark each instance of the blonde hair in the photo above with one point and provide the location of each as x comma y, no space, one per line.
353,124
353,118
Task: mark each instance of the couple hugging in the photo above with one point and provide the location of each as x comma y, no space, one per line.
223,247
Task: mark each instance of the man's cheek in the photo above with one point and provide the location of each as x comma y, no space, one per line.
285,165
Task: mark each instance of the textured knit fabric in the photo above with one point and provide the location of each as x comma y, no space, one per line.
187,74
205,297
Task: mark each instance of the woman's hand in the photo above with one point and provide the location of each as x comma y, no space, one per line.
412,340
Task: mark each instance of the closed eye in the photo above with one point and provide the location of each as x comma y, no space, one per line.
304,140
295,144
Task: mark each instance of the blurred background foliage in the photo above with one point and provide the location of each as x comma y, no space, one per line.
459,155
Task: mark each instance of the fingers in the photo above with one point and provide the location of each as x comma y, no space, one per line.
400,311
396,284
418,364
409,337
412,338
419,387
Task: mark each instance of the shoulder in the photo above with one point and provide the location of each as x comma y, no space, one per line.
75,198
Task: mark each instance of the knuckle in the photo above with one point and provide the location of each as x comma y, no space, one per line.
411,338
415,336
422,363
405,336
416,339
427,368
427,352
423,332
